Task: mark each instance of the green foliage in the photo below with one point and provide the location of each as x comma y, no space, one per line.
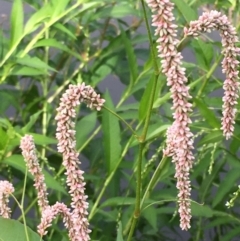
12,230
106,45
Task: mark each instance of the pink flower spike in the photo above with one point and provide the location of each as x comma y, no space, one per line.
206,23
179,137
50,213
6,188
30,156
65,135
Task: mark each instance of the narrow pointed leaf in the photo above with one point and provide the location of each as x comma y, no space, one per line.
226,184
111,135
187,12
84,128
17,19
13,230
17,162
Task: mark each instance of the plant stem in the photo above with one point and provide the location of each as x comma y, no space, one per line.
120,118
47,25
208,75
108,180
142,138
154,179
21,206
45,92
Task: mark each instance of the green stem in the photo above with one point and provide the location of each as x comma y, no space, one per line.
120,118
21,206
45,92
108,180
142,138
47,25
154,179
208,75
27,209
24,219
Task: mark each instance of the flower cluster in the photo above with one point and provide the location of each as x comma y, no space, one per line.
206,23
6,188
76,220
66,145
30,156
50,213
179,136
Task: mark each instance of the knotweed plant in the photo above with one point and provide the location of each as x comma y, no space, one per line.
6,189
169,112
216,20
179,137
76,219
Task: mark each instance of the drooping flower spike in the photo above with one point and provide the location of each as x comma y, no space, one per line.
179,136
50,213
73,96
30,156
6,188
206,23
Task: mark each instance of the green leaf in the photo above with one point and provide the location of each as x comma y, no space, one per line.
111,135
32,121
8,98
120,10
13,230
55,44
212,137
58,7
199,210
209,115
119,232
65,30
158,102
4,139
84,128
226,184
118,201
150,215
37,18
33,62
103,69
27,71
42,140
17,19
187,12
17,162
131,57
220,221
208,180
206,51
145,100
153,131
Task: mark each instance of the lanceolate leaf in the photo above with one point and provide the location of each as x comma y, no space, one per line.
132,60
187,12
13,230
225,186
17,19
119,232
111,135
17,162
207,113
84,128
145,100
